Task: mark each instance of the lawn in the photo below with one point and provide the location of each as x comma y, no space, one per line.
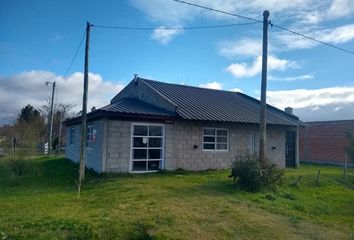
42,204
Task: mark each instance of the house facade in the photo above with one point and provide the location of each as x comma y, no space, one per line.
152,125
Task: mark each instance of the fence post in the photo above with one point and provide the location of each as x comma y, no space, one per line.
345,167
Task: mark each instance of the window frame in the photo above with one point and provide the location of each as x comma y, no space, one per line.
216,141
147,160
89,137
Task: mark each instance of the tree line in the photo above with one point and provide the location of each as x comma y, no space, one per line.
29,129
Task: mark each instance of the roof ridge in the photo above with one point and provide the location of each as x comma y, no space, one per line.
160,93
188,86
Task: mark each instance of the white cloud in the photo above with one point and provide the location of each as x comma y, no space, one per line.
249,70
211,85
340,8
291,79
172,12
163,35
337,35
236,90
333,103
243,47
16,91
302,98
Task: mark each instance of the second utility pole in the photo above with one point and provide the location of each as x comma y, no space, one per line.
262,120
51,120
84,112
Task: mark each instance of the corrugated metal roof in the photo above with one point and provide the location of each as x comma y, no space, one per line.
135,106
194,103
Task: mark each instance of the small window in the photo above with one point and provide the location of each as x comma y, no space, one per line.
90,137
252,143
72,136
215,139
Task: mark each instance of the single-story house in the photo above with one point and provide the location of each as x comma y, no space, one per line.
152,125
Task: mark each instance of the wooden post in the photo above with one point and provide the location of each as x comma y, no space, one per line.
51,119
13,147
262,120
84,112
345,167
318,177
60,129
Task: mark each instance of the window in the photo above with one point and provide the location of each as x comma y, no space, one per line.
147,147
252,143
72,136
90,137
215,139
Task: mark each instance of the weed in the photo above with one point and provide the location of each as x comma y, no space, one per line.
17,166
288,195
140,231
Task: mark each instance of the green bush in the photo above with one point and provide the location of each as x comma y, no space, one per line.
251,175
17,166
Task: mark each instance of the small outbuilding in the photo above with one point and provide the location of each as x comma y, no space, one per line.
152,125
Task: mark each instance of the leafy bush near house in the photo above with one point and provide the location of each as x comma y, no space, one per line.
250,175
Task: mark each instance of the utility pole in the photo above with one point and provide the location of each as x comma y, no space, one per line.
51,117
84,112
262,120
60,129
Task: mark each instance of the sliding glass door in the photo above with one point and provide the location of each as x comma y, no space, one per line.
147,147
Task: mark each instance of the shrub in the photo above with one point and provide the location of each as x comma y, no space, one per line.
17,166
251,175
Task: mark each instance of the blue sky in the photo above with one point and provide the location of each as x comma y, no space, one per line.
38,40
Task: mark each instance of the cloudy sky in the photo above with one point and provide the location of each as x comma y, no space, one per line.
39,38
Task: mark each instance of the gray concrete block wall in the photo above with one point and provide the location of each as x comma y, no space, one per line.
145,93
72,151
170,160
118,146
111,152
190,133
94,155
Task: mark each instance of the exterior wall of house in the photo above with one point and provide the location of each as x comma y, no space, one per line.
324,142
190,133
180,138
111,150
94,155
119,143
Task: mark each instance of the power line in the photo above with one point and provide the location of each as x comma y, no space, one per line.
176,28
311,38
271,24
75,55
70,65
219,11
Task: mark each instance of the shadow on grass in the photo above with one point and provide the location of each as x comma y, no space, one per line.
38,174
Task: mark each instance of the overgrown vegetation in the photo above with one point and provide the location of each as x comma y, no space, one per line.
171,205
251,175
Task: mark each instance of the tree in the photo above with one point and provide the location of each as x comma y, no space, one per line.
28,113
61,111
30,127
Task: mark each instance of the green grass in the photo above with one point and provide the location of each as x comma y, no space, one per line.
42,204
